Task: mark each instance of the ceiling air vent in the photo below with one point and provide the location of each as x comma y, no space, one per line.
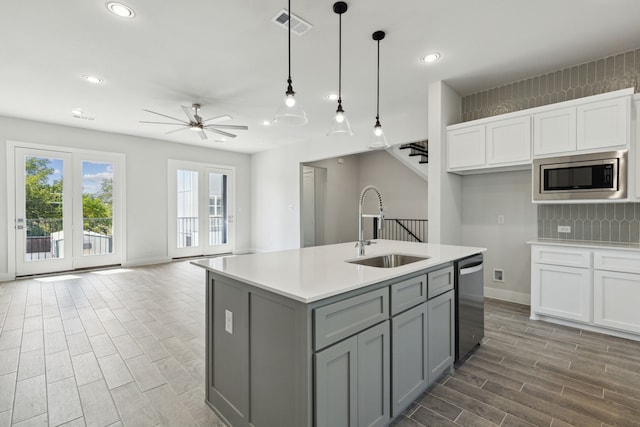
298,25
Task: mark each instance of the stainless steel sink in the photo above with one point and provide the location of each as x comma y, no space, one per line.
388,260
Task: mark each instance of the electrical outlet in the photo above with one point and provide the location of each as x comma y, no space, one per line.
500,219
498,275
564,229
228,321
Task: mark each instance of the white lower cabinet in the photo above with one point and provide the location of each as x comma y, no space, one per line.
617,300
604,293
562,292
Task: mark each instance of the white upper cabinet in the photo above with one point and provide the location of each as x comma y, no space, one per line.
588,125
603,124
554,131
466,147
498,144
509,141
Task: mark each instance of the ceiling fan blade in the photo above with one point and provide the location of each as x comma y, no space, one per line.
222,118
239,127
164,115
177,130
189,112
162,123
214,130
202,135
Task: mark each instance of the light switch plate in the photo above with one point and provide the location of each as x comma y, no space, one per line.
228,321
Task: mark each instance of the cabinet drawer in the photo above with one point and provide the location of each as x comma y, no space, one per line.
440,281
556,255
408,293
623,261
342,319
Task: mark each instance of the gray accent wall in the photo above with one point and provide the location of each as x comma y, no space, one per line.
614,72
603,222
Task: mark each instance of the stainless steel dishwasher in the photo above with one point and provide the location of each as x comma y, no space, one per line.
469,287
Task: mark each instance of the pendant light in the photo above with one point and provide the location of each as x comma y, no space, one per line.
290,112
341,124
378,140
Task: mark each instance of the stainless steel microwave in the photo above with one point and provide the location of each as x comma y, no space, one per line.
581,177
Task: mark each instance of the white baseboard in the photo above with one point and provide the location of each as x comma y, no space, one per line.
501,294
243,251
146,261
7,277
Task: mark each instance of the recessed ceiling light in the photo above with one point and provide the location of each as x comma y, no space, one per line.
76,112
430,58
332,97
120,9
92,79
266,123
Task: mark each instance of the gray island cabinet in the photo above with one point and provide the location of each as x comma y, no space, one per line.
303,338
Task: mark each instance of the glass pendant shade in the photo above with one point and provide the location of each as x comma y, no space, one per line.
291,113
378,140
341,125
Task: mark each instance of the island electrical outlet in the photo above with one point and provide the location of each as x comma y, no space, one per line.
228,321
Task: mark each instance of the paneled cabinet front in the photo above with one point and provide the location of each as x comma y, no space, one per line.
564,292
352,381
409,356
441,324
466,148
509,142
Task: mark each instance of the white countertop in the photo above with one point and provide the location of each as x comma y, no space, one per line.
587,245
312,274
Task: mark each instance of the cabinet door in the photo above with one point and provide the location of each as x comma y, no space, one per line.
509,141
564,292
554,131
336,389
373,376
409,357
441,327
466,148
603,124
616,297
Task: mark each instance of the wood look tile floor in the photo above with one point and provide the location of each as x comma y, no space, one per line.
126,347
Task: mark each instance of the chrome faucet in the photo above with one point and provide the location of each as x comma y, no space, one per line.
361,243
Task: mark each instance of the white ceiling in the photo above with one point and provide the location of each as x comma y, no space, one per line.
229,56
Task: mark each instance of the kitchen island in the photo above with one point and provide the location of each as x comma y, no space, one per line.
305,338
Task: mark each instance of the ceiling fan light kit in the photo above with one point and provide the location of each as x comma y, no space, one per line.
378,139
290,112
341,125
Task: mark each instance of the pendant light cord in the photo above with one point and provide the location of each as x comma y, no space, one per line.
378,86
289,80
340,58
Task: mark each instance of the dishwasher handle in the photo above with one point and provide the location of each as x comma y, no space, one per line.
471,268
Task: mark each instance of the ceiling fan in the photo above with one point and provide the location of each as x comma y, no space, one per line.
196,123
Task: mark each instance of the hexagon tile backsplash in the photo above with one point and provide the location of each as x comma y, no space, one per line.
602,75
601,222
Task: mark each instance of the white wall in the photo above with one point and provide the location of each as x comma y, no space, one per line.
485,197
276,176
445,200
404,193
146,236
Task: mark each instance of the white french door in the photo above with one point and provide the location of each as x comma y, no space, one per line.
44,231
68,210
201,209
